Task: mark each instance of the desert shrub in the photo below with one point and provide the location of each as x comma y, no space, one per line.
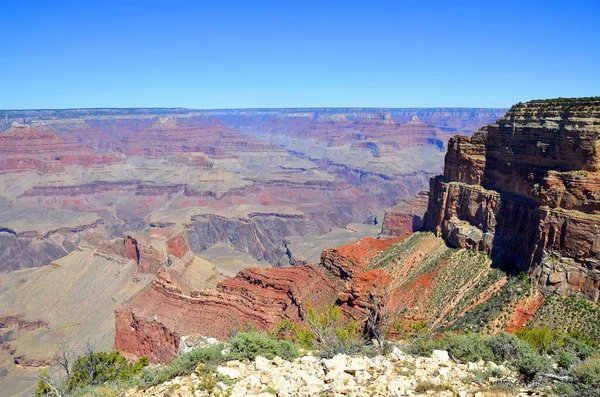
207,381
466,347
253,344
579,336
98,391
425,386
501,347
462,347
101,368
583,348
285,330
543,339
93,369
487,373
518,354
331,336
422,346
586,377
301,336
565,358
209,357
507,347
531,363
565,390
565,349
305,338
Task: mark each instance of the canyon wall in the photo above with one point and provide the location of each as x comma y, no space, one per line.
526,190
405,218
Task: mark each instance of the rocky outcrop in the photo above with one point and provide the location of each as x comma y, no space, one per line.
154,249
525,189
98,187
153,322
397,374
406,217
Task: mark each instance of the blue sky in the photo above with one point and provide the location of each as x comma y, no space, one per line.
230,54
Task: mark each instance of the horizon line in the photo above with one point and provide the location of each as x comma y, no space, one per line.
253,108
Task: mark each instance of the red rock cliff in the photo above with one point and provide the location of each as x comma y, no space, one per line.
405,218
154,320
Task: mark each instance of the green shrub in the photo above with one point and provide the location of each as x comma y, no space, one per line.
488,373
305,338
97,391
425,386
95,369
210,357
565,390
565,349
501,347
584,338
587,377
287,330
332,336
531,363
463,347
507,347
103,368
565,358
543,339
584,348
466,347
250,345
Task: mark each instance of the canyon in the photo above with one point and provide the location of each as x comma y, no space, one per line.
498,250
101,209
204,223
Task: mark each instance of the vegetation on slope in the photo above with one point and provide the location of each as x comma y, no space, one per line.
569,314
561,363
458,302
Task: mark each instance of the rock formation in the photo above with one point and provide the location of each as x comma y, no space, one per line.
158,181
154,321
406,217
526,190
155,248
397,374
23,147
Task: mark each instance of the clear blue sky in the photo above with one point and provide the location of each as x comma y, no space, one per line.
228,54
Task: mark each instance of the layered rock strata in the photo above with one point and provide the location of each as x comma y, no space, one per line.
154,321
526,190
406,217
23,148
156,248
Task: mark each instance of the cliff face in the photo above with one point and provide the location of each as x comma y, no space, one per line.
406,217
526,190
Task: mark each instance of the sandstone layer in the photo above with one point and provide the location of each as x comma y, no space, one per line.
404,218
